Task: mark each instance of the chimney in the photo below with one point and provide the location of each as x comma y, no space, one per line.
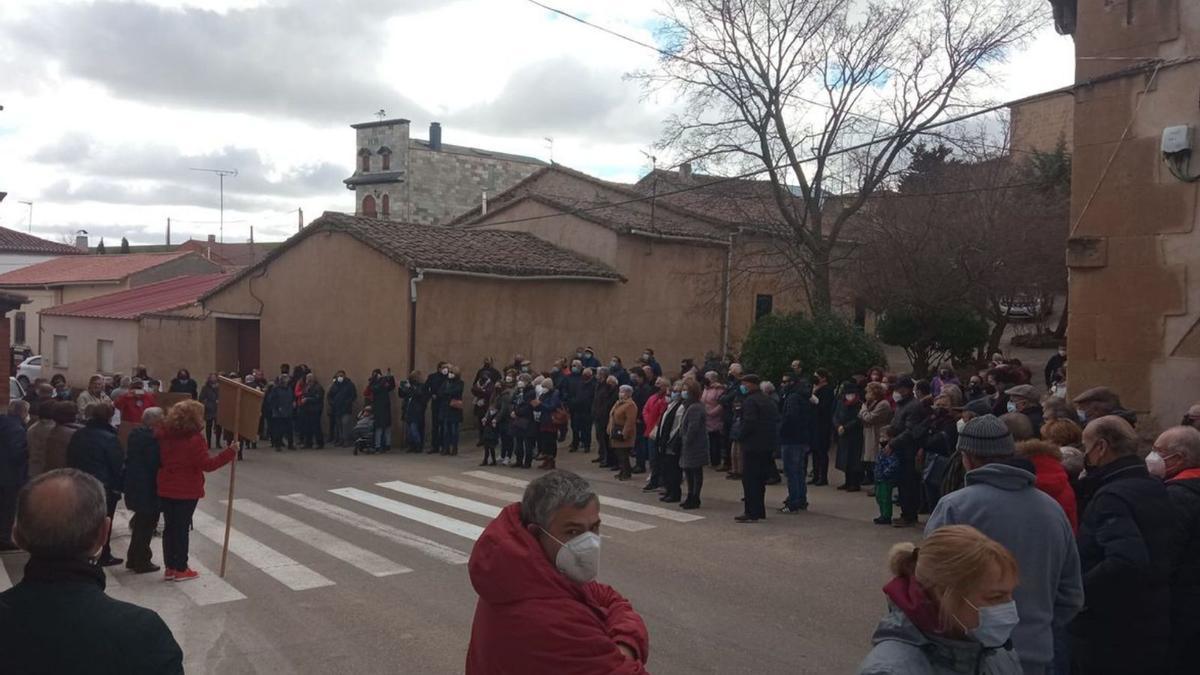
212,238
435,136
81,240
483,204
685,170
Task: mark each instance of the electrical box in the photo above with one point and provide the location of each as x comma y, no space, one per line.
1177,139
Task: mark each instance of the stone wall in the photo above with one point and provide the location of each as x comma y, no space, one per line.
1134,254
444,183
1039,123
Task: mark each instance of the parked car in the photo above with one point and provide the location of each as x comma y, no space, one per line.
1023,307
29,370
15,390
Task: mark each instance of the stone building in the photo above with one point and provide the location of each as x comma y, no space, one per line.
1040,122
426,182
1134,254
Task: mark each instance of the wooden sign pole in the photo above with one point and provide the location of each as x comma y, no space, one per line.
237,425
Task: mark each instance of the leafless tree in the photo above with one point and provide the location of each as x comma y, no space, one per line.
823,97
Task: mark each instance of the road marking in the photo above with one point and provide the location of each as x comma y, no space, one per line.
280,567
208,588
429,547
437,520
110,575
5,582
468,505
615,522
623,504
371,563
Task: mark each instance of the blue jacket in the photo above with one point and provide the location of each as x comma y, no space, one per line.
1002,502
799,417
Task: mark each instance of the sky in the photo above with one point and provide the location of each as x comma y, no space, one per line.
115,102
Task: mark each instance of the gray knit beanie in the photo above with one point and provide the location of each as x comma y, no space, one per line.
986,436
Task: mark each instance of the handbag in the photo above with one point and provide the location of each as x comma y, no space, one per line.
456,403
561,417
618,434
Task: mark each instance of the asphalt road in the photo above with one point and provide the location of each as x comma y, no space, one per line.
371,579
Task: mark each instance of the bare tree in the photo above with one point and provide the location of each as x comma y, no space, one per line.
823,97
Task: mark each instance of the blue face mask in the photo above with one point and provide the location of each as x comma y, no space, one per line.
744,389
1012,407
686,395
996,624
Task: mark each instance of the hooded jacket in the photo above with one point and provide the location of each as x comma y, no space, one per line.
1000,500
183,459
903,648
1052,479
532,619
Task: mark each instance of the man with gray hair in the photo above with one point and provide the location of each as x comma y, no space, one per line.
1001,500
58,618
1176,459
539,609
141,491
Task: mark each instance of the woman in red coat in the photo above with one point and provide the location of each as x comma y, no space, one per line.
184,459
1051,476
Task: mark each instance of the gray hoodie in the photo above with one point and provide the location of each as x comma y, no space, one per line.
1002,502
902,649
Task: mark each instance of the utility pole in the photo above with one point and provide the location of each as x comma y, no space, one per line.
221,174
300,219
168,232
30,205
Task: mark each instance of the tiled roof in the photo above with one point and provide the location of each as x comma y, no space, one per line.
518,255
232,254
86,269
137,302
614,205
12,241
475,152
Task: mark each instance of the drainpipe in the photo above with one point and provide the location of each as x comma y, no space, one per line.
727,283
413,280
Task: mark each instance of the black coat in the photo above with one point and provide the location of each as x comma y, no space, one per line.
187,386
58,620
279,402
850,442
341,397
434,386
14,452
799,417
95,449
381,400
603,402
1185,577
1126,537
142,460
909,425
579,394
759,424
824,424
415,400
452,390
313,401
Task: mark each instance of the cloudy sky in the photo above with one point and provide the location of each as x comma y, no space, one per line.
107,105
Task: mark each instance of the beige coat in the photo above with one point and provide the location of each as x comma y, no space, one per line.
623,416
36,438
875,418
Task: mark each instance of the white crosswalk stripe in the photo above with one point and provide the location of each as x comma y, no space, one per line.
615,522
623,504
347,517
275,564
371,563
430,518
492,511
5,581
208,589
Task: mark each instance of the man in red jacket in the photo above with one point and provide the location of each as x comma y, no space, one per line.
539,609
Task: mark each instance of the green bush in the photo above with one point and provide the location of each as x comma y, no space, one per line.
824,341
931,335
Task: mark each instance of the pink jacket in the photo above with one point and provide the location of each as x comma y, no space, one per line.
714,412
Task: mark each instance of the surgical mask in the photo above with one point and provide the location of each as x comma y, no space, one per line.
540,390
962,424
579,355
445,371
576,370
450,375
1082,416
612,364
508,380
341,379
588,355
1156,464
520,385
897,397
996,624
686,395
675,396
849,398
645,357
744,389
1012,407
579,558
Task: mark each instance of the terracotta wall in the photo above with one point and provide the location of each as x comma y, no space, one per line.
1134,256
570,232
82,335
167,344
330,302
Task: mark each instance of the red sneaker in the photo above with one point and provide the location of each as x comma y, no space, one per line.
186,575
168,574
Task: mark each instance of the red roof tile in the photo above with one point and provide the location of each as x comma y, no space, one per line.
241,254
138,302
86,269
12,241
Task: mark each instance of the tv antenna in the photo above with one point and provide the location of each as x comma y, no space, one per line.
221,174
381,113
550,145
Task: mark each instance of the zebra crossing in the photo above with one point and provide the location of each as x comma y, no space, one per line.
397,514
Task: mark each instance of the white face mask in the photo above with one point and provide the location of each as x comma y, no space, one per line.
341,379
1156,464
540,390
445,371
579,558
1012,407
996,624
897,397
962,424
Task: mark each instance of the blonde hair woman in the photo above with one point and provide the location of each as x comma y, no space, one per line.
951,608
183,460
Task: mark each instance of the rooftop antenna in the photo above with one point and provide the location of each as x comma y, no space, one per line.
381,113
550,145
653,184
221,174
30,205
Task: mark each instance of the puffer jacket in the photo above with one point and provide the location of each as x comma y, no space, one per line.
900,648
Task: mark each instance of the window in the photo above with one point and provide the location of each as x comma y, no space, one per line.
368,208
385,206
104,356
18,334
60,351
385,155
763,305
365,159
